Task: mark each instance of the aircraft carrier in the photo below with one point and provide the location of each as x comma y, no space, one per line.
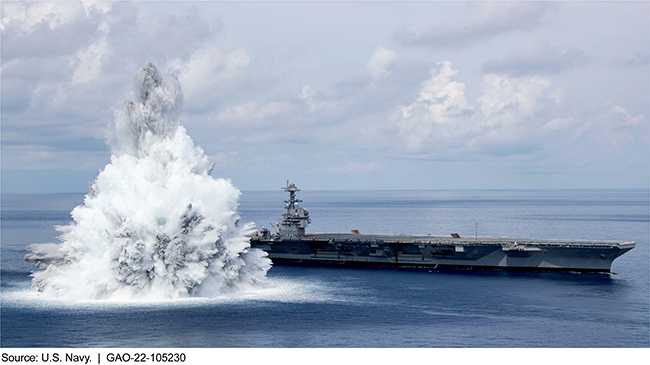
289,243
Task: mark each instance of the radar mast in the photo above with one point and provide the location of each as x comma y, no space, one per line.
294,218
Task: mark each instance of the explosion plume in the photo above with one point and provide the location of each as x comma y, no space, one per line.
154,223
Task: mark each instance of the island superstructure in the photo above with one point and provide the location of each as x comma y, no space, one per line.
289,243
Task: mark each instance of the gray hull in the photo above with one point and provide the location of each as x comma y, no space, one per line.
443,252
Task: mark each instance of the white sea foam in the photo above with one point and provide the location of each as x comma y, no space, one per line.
154,224
283,290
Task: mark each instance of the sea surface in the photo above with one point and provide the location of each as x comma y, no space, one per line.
349,307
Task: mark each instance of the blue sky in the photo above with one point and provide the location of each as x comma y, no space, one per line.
339,95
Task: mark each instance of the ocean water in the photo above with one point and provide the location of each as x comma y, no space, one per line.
350,307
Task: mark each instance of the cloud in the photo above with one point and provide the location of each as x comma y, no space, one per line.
513,116
44,157
84,51
538,58
26,16
482,22
439,109
89,62
60,61
250,114
381,61
351,167
621,117
66,68
306,93
315,102
640,59
136,37
223,158
209,63
46,30
558,124
513,112
615,127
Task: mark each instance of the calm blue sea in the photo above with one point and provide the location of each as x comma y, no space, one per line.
331,307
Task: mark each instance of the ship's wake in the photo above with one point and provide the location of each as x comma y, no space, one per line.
154,224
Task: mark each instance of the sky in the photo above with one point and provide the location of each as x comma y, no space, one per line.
338,95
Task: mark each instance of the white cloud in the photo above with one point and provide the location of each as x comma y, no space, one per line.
101,6
558,124
640,59
306,93
438,111
513,112
483,21
515,115
380,63
615,127
511,116
495,17
508,100
207,71
620,117
67,67
48,96
89,62
223,157
538,58
315,103
245,115
351,167
25,15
